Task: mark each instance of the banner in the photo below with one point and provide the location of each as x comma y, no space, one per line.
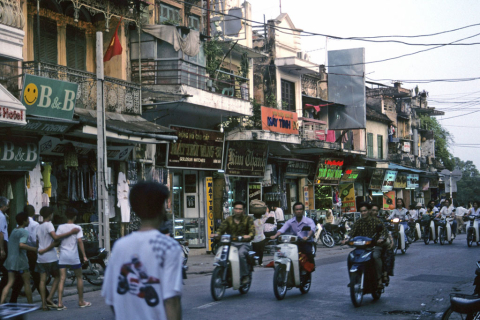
400,181
350,175
389,200
377,179
18,155
209,193
388,180
412,181
196,148
246,159
347,194
48,97
279,121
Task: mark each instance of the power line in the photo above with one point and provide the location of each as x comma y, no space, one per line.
460,115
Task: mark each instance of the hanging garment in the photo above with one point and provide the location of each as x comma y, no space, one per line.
34,193
45,200
53,181
9,194
190,44
70,157
123,190
111,205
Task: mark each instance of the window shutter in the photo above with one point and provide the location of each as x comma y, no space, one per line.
46,51
76,48
380,146
370,145
70,43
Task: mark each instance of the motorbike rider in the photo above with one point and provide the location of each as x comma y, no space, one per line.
400,212
448,211
413,215
475,210
367,227
237,225
294,227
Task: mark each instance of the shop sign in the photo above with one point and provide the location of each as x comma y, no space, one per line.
412,181
306,197
400,182
389,180
350,175
48,97
425,184
246,159
377,179
406,147
389,200
209,193
196,149
347,194
329,170
279,121
18,156
298,168
47,127
12,115
254,192
434,183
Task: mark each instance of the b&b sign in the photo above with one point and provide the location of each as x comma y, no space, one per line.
48,97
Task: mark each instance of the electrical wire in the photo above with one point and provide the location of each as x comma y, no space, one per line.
461,115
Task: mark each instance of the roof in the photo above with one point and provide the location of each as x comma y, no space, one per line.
394,166
374,115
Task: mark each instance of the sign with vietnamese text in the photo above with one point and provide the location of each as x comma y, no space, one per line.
389,200
347,194
18,155
350,175
298,168
195,148
306,198
254,192
280,121
246,159
329,170
400,181
412,181
48,97
376,181
209,193
46,127
389,180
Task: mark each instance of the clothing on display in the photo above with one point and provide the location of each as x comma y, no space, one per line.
45,200
53,181
47,185
123,190
70,156
35,191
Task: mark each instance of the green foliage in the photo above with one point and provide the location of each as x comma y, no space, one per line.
213,56
244,66
253,122
443,139
468,188
271,101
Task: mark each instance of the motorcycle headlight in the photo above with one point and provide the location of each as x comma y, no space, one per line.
225,238
395,220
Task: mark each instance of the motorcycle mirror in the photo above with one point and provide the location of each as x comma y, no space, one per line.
306,228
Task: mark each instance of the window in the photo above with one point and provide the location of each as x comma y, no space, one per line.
370,145
76,48
288,95
169,13
46,48
194,22
379,146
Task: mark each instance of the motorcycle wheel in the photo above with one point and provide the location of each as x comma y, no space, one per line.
217,288
328,240
469,238
442,236
306,284
356,293
280,282
395,245
449,314
244,289
151,296
97,278
426,237
376,294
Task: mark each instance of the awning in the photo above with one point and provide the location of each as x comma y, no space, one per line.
124,128
394,166
12,112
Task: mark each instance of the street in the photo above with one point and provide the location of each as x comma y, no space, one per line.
420,289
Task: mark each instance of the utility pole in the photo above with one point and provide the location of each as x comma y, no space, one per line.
102,196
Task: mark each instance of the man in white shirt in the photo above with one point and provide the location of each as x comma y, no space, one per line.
459,213
279,214
4,204
448,211
144,275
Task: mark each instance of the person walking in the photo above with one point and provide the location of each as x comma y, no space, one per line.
4,205
259,209
270,226
459,213
145,261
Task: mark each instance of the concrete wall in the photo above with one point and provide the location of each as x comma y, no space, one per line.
378,128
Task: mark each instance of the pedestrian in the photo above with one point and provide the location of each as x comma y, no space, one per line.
144,275
329,217
69,257
4,204
259,210
279,216
47,260
459,213
270,226
17,261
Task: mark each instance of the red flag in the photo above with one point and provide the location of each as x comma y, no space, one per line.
114,48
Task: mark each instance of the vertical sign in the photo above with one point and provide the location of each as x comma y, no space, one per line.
305,195
347,194
254,193
389,200
209,193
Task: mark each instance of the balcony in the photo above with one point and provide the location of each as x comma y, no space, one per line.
11,29
315,137
120,96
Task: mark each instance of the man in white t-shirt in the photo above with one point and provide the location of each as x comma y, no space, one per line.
459,213
144,275
69,257
279,214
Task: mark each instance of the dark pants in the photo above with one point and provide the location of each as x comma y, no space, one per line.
259,247
18,284
4,270
306,247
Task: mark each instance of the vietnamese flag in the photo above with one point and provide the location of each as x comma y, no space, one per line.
114,48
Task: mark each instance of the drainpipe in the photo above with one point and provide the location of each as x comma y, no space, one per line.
38,36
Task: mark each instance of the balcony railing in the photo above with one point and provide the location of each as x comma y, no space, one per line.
315,131
180,72
11,14
120,96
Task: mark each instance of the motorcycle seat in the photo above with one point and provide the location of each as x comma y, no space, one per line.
463,303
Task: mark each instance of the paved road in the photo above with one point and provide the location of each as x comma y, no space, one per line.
425,276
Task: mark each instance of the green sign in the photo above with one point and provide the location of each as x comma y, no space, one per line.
47,127
49,98
18,156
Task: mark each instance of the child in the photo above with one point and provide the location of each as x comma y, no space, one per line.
143,279
47,261
17,261
69,257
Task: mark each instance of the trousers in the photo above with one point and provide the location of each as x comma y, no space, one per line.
243,249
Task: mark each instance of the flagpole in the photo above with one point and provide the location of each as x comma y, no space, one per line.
102,196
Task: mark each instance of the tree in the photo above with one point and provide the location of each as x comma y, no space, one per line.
443,139
468,188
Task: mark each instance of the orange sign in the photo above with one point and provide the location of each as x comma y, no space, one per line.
279,121
209,193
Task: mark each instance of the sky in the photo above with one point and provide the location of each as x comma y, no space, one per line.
406,18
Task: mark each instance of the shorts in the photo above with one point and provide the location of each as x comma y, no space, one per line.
70,266
48,267
19,271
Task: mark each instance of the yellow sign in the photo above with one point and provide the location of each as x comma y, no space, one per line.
209,193
347,194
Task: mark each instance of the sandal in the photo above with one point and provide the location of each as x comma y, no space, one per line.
52,305
87,304
60,308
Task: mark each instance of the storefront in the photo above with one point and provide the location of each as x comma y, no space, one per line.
326,187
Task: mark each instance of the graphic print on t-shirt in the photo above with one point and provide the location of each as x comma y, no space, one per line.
134,279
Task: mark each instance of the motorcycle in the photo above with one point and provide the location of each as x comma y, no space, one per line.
444,230
414,232
288,273
428,227
94,269
335,231
323,236
398,235
472,231
464,304
185,252
361,269
227,268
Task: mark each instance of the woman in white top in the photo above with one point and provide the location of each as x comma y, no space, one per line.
400,212
270,226
448,211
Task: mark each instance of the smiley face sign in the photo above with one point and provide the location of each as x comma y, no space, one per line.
30,94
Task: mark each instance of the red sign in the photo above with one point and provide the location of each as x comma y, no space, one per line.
279,121
337,163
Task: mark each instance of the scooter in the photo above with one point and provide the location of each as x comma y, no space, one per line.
288,273
398,234
227,268
428,227
472,231
336,231
361,269
323,236
94,270
444,230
